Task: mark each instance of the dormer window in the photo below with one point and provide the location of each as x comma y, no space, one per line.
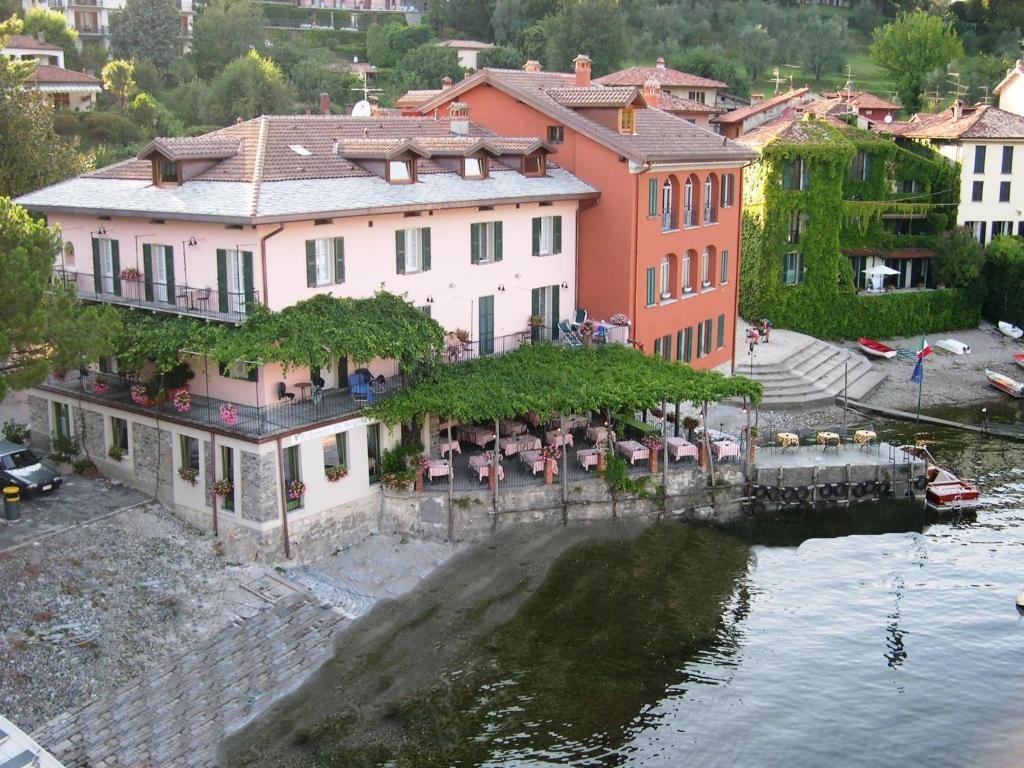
167,172
627,120
400,171
533,165
474,168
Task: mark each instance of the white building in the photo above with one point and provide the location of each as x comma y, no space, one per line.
63,88
468,50
1011,90
91,18
988,144
28,48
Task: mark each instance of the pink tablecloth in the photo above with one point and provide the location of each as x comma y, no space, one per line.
725,449
482,467
679,447
477,435
444,446
535,461
438,468
512,428
513,445
587,457
632,450
558,438
597,434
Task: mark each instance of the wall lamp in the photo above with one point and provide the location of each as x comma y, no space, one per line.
192,241
565,284
501,287
430,299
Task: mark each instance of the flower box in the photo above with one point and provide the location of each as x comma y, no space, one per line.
100,385
229,414
336,472
140,396
296,490
182,400
223,488
189,474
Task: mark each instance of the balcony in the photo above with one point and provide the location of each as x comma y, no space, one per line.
175,298
689,217
85,3
90,30
670,220
710,215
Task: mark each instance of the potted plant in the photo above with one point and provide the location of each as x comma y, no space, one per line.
85,467
653,443
296,490
550,454
100,385
116,452
536,321
462,335
131,274
618,319
59,375
335,472
690,423
140,395
420,465
182,400
398,481
223,488
229,414
189,474
15,432
586,332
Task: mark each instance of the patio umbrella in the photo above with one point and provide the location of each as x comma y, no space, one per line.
881,270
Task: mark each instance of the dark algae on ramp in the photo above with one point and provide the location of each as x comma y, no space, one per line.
539,642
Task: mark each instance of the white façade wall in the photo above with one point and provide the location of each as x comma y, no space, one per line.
990,209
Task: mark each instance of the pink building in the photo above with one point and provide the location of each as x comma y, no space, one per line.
476,230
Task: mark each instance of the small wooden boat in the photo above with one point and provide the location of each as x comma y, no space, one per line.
1019,359
1003,383
948,493
954,346
875,348
1008,329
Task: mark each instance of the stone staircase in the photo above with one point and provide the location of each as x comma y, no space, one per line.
803,372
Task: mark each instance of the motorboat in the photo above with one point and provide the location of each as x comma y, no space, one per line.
948,493
875,348
1009,329
1018,358
954,346
1004,383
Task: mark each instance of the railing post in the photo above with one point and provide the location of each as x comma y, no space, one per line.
565,471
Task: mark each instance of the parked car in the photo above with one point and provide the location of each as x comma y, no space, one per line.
20,467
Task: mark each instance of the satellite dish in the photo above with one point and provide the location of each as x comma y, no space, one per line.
888,118
362,109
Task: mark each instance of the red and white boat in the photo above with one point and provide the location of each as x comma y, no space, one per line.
948,493
1003,383
875,348
1019,359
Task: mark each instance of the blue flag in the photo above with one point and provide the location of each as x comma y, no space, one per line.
918,376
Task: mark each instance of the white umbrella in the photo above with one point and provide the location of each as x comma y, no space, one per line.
881,270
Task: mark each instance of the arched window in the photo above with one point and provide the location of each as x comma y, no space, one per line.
691,201
710,196
670,204
669,276
707,267
69,254
689,265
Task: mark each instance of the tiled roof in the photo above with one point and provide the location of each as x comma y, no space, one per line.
198,148
49,74
671,103
284,182
975,122
793,129
414,99
739,115
466,44
660,136
637,76
27,42
594,97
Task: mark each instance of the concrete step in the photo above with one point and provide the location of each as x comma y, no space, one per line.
867,384
789,403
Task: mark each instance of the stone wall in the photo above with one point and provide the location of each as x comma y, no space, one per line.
152,460
88,426
39,422
260,498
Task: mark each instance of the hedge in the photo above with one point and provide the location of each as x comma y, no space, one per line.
1004,280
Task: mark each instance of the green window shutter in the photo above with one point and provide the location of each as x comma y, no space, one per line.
650,286
96,277
700,340
222,279
668,347
553,320
497,241
557,237
688,345
147,267
657,347
474,243
169,263
425,249
721,331
707,336
252,374
339,259
536,237
115,257
679,345
535,301
400,251
311,263
652,197
247,282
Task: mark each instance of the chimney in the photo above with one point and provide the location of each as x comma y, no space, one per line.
325,104
582,64
756,98
660,63
532,66
41,36
458,116
958,109
652,93
446,83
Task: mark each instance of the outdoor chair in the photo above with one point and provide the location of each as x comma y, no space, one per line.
579,319
201,299
283,393
360,389
569,336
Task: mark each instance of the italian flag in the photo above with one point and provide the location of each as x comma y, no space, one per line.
924,350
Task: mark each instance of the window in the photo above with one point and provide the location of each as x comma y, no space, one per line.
687,266
238,370
61,420
793,268
533,165
728,189
705,268
797,225
651,281
325,261
663,347
652,197
700,340
707,336
485,242
412,250
1007,166
627,120
860,166
189,452
720,341
292,472
977,191
547,235
473,168
119,434
106,262
669,215
657,346
400,171
1004,192
725,268
227,472
688,211
796,174
910,187
544,302
688,344
168,172
979,158
335,449
696,96
666,285
485,324
710,212
61,100
373,452
556,134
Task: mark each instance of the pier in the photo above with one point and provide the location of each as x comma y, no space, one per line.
1007,431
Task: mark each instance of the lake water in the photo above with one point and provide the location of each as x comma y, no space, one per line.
878,641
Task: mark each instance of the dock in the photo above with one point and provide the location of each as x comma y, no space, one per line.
1007,431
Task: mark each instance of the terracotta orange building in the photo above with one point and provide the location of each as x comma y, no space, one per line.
662,244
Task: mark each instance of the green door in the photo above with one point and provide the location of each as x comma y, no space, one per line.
487,325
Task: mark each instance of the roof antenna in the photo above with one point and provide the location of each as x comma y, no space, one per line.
334,151
366,133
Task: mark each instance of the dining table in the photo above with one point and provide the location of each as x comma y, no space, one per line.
510,446
725,449
597,434
482,466
534,461
438,468
557,438
587,457
632,450
511,428
865,438
480,436
680,447
787,440
829,440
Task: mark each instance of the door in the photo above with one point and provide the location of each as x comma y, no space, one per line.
486,325
342,370
227,472
234,281
373,452
106,266
544,302
160,274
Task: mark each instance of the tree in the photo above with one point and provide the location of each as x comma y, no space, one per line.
421,68
594,27
56,30
226,30
511,17
467,18
248,87
712,63
387,43
147,29
959,259
118,78
42,327
32,155
911,47
756,49
500,57
823,44
311,77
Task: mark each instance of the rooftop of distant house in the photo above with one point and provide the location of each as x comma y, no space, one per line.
466,45
960,121
861,100
281,168
67,79
1017,70
797,126
574,101
637,76
756,107
29,43
671,103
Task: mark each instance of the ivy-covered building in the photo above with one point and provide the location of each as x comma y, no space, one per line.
826,207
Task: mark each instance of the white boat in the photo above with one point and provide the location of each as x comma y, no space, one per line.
954,346
1004,383
1009,329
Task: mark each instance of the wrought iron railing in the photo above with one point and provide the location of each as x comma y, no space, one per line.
710,214
689,217
176,298
670,220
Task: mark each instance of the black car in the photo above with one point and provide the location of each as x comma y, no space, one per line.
20,467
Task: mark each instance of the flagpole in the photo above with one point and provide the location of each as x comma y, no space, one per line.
920,386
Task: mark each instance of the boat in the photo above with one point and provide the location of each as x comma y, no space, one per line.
954,346
1019,359
1009,329
1004,383
948,493
875,348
